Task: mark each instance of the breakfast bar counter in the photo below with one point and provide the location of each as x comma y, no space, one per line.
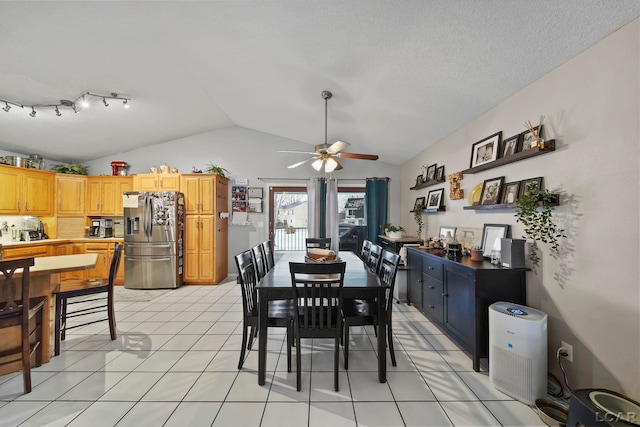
44,278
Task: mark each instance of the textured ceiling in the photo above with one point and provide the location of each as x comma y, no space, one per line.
404,74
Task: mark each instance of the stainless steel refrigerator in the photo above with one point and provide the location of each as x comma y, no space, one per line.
153,239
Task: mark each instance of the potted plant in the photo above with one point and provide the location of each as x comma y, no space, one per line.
534,209
211,168
70,168
393,231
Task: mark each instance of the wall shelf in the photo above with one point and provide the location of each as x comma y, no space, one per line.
555,202
549,146
427,184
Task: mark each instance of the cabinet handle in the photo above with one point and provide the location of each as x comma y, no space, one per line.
432,306
18,205
26,206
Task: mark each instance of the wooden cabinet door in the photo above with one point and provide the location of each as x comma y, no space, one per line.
29,251
207,195
191,244
123,184
169,182
459,300
104,260
38,193
145,182
73,249
94,196
206,259
11,193
108,189
190,186
414,279
70,195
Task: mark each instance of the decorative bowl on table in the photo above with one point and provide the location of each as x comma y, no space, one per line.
321,255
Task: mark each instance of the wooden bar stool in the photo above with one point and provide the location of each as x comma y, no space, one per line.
15,312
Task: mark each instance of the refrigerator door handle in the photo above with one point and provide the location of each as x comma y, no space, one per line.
149,259
147,216
146,245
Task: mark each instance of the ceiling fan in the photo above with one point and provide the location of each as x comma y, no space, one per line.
325,155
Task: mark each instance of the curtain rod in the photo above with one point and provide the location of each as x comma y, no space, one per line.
307,179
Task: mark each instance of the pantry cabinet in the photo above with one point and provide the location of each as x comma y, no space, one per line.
26,191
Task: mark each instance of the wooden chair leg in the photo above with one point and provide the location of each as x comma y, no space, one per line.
111,313
57,326
242,347
63,320
346,347
391,351
336,361
298,364
289,345
39,326
252,334
26,359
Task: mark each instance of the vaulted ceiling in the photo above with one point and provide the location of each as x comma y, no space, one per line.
404,73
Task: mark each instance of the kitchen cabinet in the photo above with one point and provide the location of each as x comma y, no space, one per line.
26,191
199,193
104,194
70,194
456,295
104,251
206,233
156,182
25,252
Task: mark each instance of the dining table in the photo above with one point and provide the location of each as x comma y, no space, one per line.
359,282
44,279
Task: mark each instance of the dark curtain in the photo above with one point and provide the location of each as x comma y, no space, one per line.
377,201
322,200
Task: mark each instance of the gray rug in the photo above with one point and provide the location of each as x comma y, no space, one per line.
138,295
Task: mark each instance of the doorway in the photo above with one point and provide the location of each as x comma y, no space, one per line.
288,218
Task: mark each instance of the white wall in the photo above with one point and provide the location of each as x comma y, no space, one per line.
591,293
246,153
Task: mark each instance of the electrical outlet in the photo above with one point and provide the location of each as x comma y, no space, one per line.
569,349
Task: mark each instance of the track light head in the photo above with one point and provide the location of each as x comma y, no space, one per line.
33,112
126,103
104,101
6,107
58,113
84,102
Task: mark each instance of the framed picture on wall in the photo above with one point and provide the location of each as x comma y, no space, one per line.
431,172
419,204
510,146
440,173
491,235
528,140
434,199
510,192
491,191
485,150
532,183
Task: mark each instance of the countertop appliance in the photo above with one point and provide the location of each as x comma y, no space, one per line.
153,239
101,228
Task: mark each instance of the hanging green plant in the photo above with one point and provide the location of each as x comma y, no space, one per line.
70,168
534,209
417,215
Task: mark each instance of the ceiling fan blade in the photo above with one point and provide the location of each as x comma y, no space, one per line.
296,152
358,156
295,165
337,146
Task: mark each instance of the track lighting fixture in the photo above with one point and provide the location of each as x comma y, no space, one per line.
80,103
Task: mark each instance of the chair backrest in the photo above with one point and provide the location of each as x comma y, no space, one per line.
258,261
317,291
318,242
247,279
10,308
387,272
115,262
366,248
375,252
267,248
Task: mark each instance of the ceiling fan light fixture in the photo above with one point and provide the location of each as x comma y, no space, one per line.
317,165
330,164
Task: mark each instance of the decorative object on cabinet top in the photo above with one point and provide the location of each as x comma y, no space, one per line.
70,168
211,168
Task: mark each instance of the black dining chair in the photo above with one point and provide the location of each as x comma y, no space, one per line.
318,243
373,261
358,312
258,261
19,312
317,292
267,249
364,252
280,312
74,291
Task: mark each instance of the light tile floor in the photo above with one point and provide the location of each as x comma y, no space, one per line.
175,364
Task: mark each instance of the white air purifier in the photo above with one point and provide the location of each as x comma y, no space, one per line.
518,351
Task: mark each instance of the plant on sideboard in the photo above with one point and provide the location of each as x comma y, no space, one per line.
534,209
